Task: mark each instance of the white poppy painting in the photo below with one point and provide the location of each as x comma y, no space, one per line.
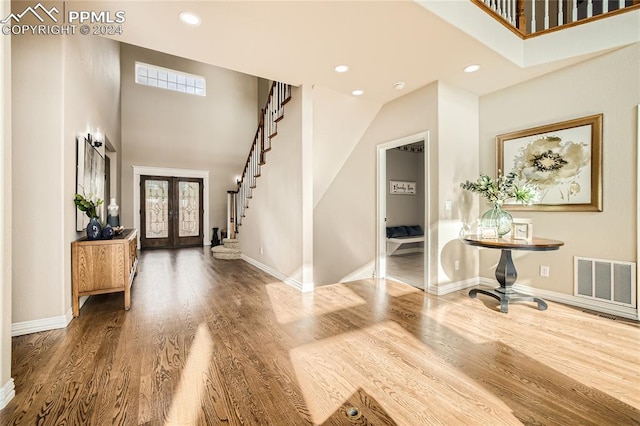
561,161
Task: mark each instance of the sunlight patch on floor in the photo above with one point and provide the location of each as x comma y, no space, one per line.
290,305
185,406
331,370
396,289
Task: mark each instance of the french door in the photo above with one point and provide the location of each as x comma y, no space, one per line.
170,212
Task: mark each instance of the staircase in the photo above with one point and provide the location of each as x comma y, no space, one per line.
532,18
229,250
238,199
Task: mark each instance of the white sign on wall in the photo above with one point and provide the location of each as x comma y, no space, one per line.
402,187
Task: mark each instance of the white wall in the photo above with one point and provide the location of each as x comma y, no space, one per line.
345,217
61,86
457,162
274,220
339,121
162,128
6,383
610,85
91,73
38,191
405,209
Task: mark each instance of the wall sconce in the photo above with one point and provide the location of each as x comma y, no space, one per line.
96,139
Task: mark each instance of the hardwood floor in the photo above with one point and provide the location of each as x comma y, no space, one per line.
213,342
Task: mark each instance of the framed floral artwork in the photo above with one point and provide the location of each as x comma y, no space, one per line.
562,161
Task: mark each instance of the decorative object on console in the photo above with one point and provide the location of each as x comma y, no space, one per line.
522,229
113,213
107,232
497,222
562,160
94,229
89,207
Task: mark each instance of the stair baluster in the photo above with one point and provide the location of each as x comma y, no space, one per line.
514,14
270,115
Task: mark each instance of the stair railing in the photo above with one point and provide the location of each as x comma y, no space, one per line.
270,115
526,19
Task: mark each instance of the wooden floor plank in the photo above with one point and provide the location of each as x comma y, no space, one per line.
210,342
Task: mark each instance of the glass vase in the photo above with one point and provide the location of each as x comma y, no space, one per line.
498,219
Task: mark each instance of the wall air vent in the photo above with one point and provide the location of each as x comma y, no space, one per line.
605,281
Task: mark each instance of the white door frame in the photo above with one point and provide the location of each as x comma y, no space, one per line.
168,172
381,211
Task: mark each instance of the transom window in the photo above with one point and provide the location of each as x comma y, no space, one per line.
164,78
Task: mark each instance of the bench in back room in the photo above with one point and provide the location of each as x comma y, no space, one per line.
405,234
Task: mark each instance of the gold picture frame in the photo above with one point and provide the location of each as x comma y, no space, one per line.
562,160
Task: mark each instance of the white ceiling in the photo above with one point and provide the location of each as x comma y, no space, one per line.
298,42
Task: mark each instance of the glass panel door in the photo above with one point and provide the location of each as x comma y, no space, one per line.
189,202
171,213
188,212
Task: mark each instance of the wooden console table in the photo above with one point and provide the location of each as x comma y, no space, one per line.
506,271
104,266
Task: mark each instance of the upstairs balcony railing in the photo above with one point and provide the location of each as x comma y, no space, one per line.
528,18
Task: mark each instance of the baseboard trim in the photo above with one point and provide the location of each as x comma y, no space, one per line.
365,272
569,299
44,324
7,392
443,289
303,287
35,326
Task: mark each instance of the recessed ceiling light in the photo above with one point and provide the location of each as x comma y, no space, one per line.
357,92
341,68
472,68
399,85
190,18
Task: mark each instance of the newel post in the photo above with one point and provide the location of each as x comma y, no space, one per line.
231,214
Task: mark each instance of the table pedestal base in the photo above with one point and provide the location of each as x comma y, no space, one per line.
506,295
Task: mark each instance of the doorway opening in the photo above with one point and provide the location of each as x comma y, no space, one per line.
403,243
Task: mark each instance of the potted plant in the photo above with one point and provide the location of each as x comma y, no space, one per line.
89,207
497,191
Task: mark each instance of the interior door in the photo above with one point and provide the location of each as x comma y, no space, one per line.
171,212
